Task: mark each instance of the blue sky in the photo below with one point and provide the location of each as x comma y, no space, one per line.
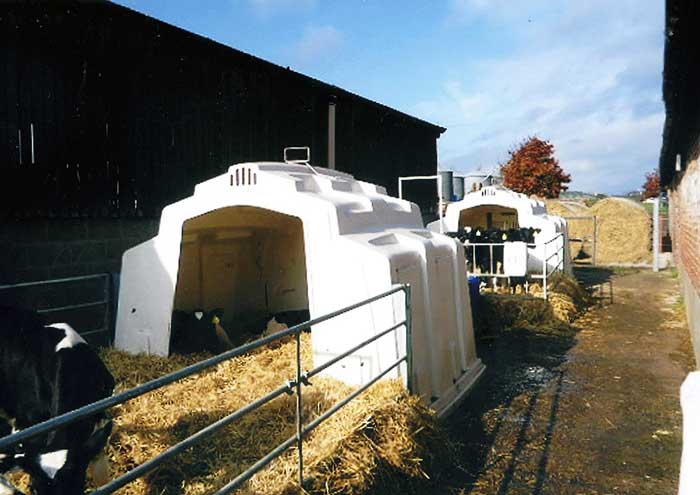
584,74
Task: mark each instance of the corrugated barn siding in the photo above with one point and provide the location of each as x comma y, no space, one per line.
128,113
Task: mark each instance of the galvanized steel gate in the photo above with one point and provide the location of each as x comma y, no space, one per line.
72,298
589,239
293,386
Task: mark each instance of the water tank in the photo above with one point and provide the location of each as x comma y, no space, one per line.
458,186
447,187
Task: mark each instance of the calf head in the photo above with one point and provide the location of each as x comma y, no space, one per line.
63,471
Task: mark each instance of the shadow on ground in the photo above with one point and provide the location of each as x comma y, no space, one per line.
519,364
598,281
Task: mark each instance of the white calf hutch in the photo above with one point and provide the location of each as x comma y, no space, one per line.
498,207
273,237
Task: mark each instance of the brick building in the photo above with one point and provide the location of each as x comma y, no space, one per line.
679,161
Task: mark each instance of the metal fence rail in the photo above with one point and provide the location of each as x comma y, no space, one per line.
559,266
293,386
557,242
106,300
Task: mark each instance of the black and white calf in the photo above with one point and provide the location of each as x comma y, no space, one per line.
45,371
198,331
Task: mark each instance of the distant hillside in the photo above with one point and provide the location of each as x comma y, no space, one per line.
633,195
581,195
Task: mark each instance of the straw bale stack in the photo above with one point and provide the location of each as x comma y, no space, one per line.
624,231
382,439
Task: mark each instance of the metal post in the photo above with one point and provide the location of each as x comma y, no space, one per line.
544,272
560,253
656,235
409,338
299,412
31,140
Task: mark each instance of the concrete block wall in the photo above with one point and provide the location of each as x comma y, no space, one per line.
685,222
55,248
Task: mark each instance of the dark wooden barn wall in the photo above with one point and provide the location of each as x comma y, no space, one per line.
129,113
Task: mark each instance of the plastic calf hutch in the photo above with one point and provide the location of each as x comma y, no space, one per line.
271,237
498,207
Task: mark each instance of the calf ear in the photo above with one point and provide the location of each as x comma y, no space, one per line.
97,440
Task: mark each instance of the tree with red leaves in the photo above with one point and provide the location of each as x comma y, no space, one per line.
532,169
652,186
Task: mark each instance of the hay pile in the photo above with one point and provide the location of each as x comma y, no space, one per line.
564,208
624,232
566,297
385,437
385,442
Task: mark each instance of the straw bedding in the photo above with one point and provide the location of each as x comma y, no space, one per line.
566,300
382,439
624,231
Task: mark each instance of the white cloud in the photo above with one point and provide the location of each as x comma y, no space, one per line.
588,79
316,46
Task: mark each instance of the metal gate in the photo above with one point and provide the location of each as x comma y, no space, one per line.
293,386
85,302
583,238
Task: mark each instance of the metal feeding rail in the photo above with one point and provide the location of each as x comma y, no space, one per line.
293,386
557,242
